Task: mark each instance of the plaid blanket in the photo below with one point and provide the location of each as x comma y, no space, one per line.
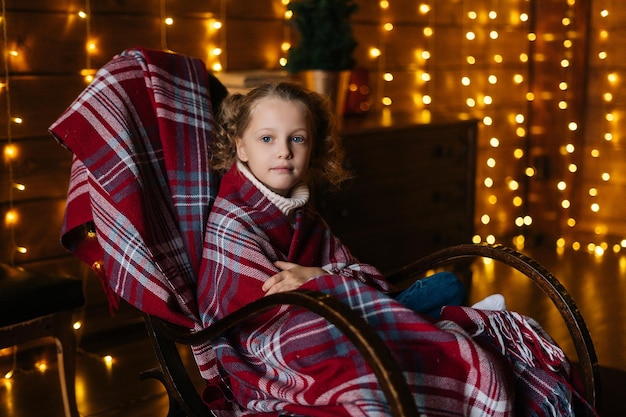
543,381
139,134
138,211
293,361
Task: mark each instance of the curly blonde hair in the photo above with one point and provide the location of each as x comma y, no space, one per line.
234,117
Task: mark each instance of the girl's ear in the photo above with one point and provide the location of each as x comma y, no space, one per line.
241,150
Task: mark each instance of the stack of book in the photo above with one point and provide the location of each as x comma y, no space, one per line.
244,81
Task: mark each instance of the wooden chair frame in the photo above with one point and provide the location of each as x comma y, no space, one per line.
58,326
186,401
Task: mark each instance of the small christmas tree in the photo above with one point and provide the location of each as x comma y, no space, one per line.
326,40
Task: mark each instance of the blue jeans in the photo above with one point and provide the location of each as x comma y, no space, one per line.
430,294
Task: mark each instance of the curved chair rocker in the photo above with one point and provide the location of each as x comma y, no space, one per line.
134,215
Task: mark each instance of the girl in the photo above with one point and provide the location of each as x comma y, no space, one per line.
263,237
282,138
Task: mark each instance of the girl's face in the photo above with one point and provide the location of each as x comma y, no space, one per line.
277,144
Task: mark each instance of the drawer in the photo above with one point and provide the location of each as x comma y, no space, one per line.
406,155
412,194
395,201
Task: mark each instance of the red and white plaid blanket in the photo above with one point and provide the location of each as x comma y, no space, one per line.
295,362
139,135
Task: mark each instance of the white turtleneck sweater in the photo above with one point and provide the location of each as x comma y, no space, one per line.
299,194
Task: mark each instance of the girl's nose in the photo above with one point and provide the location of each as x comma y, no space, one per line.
285,151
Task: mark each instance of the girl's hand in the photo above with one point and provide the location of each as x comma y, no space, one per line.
290,277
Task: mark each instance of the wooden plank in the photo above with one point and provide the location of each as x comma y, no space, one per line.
39,101
37,229
506,166
254,45
255,10
199,45
611,161
29,34
597,126
611,202
134,7
43,167
44,5
367,35
130,31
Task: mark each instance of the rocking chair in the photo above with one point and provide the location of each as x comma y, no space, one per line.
143,248
183,394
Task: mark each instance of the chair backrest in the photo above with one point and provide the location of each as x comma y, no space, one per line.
141,187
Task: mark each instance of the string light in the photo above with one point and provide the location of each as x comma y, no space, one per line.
589,205
216,50
375,52
88,72
11,218
286,44
480,84
11,150
378,53
475,82
426,9
42,366
10,153
164,17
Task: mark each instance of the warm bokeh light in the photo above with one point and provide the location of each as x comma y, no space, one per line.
487,63
10,152
11,218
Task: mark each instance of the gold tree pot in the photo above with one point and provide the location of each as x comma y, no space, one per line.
333,84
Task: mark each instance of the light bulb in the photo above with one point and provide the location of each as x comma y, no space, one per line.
10,152
11,217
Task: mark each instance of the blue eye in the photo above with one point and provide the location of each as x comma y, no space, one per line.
266,139
297,139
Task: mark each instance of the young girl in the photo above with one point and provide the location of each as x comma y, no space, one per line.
281,138
263,237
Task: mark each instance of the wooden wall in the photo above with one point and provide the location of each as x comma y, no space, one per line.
429,61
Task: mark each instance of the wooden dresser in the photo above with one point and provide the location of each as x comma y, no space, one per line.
413,191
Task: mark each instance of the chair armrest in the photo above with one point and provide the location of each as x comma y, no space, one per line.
547,282
354,327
